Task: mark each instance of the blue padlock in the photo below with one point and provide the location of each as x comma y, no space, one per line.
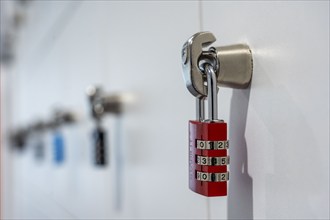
58,144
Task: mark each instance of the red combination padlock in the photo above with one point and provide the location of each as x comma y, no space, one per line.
208,158
208,144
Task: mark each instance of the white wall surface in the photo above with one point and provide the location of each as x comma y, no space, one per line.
278,129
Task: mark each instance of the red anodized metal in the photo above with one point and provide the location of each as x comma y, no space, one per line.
214,131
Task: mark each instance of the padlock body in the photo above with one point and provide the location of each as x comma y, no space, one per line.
208,159
100,149
58,143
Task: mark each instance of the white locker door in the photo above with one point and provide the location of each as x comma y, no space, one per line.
280,128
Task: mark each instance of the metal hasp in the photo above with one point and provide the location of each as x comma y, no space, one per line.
18,138
233,64
101,103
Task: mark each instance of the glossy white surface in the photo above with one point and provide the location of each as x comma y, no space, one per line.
284,125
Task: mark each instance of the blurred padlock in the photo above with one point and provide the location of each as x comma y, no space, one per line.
58,147
100,149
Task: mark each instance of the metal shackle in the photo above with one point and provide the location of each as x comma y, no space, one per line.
212,97
212,93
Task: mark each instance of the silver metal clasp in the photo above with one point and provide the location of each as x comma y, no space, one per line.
102,103
191,52
233,65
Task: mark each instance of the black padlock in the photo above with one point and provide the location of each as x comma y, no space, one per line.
100,149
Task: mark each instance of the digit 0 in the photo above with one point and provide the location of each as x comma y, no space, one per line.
201,144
